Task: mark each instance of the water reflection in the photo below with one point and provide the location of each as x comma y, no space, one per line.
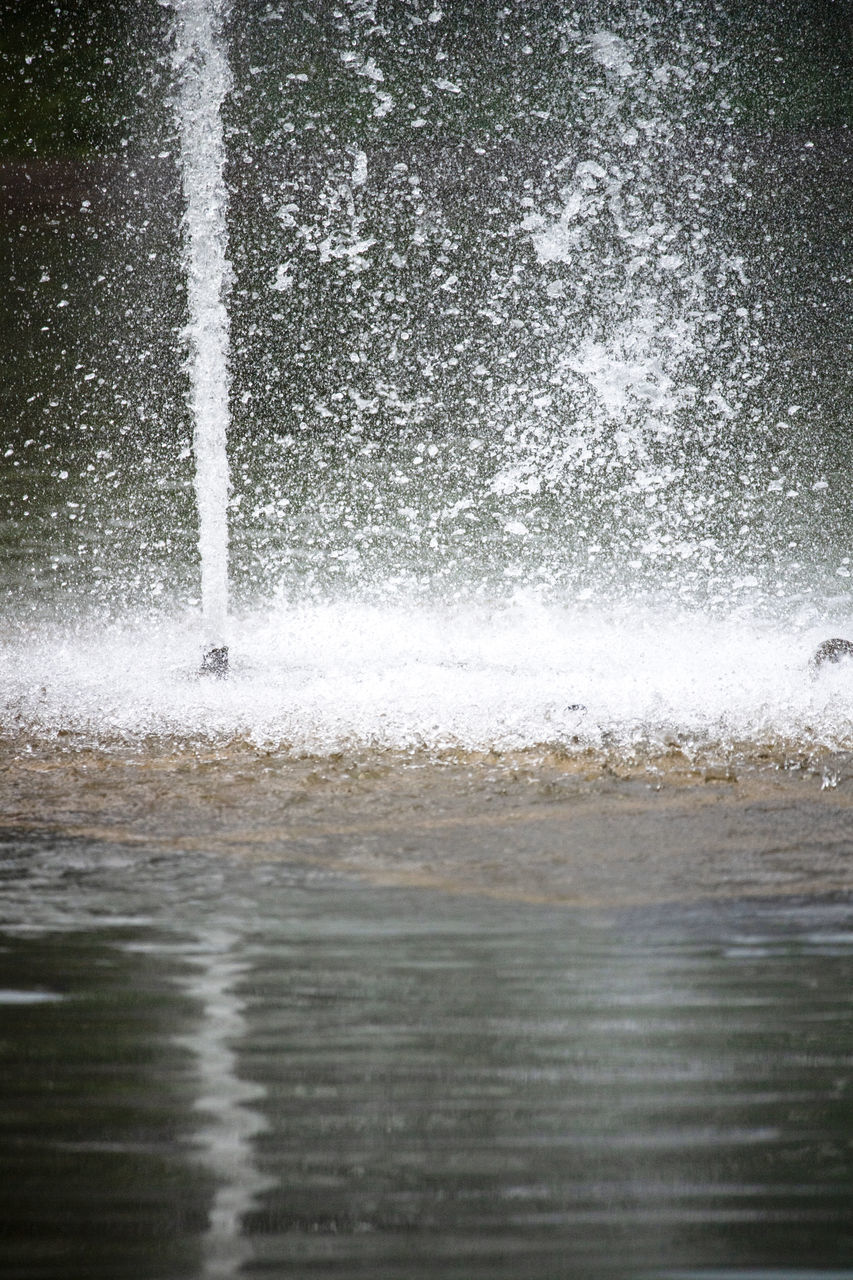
254,1068
227,1102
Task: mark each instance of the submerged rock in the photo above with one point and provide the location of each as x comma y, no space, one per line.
834,650
215,663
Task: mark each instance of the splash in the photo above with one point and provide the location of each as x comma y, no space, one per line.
205,81
515,421
335,676
654,364
553,360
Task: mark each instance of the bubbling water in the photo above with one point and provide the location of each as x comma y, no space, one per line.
521,675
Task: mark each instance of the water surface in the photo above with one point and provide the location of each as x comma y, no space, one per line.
216,1067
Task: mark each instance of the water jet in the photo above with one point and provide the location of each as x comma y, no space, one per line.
204,81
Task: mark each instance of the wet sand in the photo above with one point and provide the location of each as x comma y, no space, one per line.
533,826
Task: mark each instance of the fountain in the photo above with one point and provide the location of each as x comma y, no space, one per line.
472,371
202,70
519,415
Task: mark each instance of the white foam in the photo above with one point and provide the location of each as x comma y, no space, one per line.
339,674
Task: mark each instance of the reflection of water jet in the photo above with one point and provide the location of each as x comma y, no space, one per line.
228,1102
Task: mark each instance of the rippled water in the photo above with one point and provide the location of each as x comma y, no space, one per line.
213,1067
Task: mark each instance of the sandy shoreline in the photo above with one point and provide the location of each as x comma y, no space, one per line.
531,826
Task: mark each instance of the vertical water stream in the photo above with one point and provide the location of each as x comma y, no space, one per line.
204,82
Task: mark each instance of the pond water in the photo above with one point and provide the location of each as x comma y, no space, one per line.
494,918
214,1066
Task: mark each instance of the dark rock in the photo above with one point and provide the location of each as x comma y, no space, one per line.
215,663
834,650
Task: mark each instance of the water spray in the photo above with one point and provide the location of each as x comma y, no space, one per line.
204,82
